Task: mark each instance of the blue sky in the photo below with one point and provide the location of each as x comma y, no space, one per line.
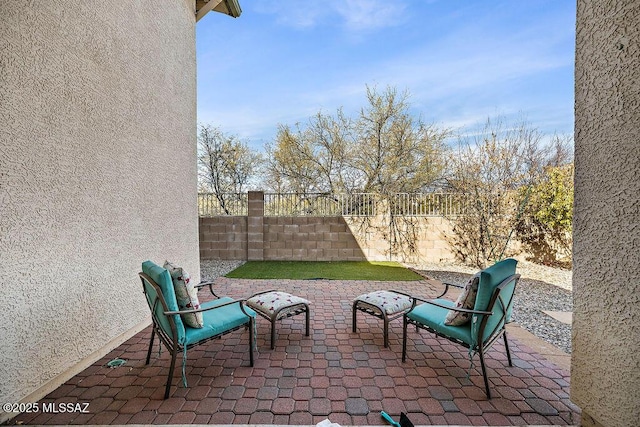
461,61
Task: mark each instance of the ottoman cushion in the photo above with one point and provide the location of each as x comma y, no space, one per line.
388,301
271,302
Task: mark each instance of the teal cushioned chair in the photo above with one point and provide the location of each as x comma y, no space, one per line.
220,317
490,314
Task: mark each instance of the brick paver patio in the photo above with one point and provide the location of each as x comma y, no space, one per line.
336,374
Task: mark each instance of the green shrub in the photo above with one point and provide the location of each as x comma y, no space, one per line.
545,227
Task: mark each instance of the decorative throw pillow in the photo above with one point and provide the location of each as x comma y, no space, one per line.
186,295
466,299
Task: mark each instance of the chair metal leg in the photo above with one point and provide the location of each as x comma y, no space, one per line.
251,339
273,334
404,338
153,334
506,346
355,311
308,319
174,353
484,374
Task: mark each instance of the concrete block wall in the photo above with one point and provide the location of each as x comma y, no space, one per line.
310,239
223,238
431,240
256,237
255,226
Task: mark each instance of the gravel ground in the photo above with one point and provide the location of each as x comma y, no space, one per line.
540,288
210,270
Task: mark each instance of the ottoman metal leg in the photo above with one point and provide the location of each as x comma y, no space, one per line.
355,311
371,304
290,311
273,333
374,311
276,305
308,320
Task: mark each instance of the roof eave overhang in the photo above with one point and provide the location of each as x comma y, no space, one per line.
227,7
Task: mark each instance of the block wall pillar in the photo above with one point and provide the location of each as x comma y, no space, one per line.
255,226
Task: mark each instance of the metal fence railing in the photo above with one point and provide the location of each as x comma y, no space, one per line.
427,204
232,204
338,204
319,204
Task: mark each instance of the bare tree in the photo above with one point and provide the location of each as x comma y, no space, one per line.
487,172
395,151
311,159
226,165
384,150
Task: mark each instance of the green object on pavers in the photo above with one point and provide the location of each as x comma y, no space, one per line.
116,363
388,419
333,270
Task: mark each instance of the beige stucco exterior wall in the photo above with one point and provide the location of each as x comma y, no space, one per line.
605,366
97,174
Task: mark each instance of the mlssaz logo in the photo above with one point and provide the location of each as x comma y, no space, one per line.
60,408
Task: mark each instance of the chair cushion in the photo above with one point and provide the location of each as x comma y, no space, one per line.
466,299
186,295
388,301
434,317
218,321
163,279
490,278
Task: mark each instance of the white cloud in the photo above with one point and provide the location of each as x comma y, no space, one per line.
458,71
369,14
354,15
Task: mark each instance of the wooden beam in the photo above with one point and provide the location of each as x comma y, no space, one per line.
227,7
206,8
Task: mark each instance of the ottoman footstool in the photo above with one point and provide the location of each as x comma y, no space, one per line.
275,305
385,305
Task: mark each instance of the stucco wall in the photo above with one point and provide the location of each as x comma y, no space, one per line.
605,373
97,173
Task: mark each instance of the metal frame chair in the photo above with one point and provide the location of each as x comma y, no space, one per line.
176,336
488,320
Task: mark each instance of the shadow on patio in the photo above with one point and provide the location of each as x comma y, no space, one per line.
336,374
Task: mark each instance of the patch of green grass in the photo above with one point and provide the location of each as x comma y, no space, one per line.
335,270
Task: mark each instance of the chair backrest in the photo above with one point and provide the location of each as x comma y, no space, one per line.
487,300
159,279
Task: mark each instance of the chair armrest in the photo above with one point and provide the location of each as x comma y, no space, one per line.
204,283
446,288
453,284
462,310
200,310
208,283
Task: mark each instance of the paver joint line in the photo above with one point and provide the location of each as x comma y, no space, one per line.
333,373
